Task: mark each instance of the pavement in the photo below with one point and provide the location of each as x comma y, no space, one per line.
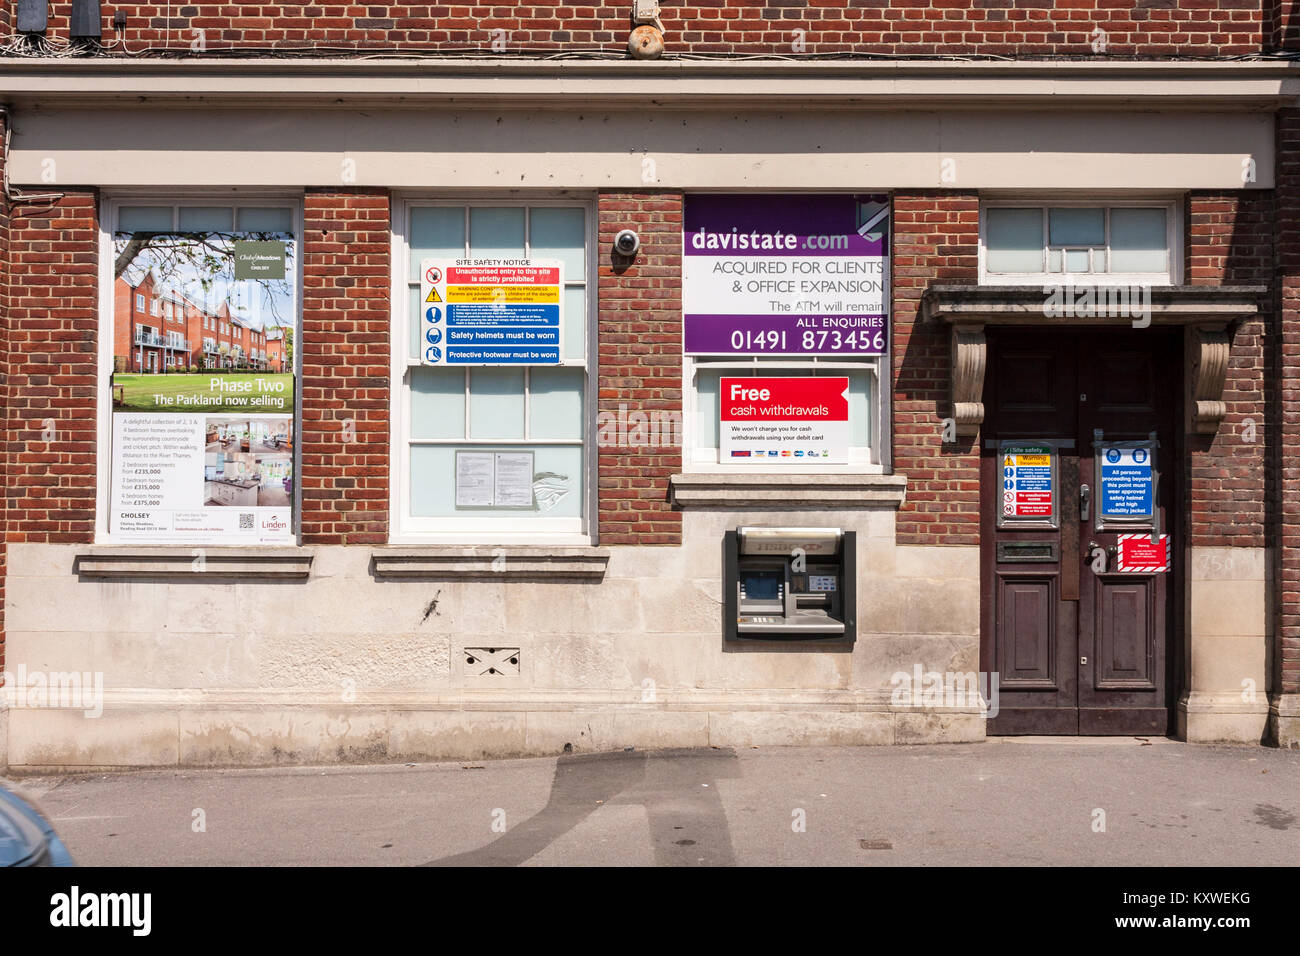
1009,801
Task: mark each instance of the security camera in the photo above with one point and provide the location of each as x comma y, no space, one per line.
627,242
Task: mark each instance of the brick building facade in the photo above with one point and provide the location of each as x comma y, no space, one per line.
530,132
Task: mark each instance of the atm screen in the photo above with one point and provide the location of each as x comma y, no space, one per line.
761,585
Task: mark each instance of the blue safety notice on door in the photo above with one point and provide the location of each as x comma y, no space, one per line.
1127,482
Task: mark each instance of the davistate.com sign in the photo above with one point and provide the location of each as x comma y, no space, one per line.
785,275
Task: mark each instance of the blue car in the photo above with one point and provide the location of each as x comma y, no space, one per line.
26,837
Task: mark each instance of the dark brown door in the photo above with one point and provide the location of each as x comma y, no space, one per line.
1075,650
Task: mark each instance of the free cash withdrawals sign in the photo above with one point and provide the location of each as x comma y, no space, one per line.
785,274
784,420
491,311
1027,482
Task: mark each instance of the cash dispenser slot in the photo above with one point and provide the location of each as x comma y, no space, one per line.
790,584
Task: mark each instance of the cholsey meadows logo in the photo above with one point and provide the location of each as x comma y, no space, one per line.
955,689
74,909
65,690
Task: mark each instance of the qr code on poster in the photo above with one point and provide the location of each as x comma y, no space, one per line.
246,522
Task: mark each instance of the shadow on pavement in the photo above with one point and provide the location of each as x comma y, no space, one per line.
678,788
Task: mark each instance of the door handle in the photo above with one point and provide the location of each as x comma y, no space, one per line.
1085,502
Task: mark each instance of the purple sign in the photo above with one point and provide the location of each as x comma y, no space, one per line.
786,275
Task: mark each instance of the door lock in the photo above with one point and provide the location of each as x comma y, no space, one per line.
1083,660
1085,502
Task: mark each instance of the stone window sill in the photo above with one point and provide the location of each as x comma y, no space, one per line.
788,492
539,563
193,562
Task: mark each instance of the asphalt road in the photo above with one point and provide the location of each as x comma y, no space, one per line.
1006,802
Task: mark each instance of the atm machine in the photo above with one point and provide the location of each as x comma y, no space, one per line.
790,584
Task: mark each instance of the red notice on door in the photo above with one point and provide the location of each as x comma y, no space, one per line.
1138,554
784,420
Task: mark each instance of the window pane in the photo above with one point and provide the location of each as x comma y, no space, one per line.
496,231
1077,260
1138,240
205,219
575,322
555,402
557,482
437,232
1076,227
144,219
417,322
437,402
1014,240
1053,260
559,234
706,406
859,406
496,403
264,220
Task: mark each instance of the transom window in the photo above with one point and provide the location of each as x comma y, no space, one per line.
1079,242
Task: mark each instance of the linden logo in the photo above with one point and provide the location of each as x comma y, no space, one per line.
103,909
273,524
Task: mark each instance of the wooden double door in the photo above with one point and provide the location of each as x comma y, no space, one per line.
1077,645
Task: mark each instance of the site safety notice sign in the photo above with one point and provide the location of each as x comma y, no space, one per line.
1138,554
1028,482
491,311
784,420
1127,481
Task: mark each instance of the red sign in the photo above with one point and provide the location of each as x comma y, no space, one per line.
1138,554
785,399
792,421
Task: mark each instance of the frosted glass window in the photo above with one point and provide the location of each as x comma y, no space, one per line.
259,219
437,402
557,233
1077,260
496,403
417,326
496,231
144,219
437,232
1076,227
555,402
707,408
1014,240
205,219
859,405
1139,240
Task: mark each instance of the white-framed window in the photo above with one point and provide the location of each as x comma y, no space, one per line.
702,426
444,415
139,301
154,308
1049,242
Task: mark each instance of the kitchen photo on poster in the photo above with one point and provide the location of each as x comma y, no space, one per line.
203,387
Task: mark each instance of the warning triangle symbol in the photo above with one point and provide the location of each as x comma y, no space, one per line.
433,296
1010,461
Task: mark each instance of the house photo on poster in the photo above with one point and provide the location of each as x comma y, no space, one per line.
203,391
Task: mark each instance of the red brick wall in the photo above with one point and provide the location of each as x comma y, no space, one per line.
53,290
1286,368
640,364
345,366
936,240
1229,242
915,27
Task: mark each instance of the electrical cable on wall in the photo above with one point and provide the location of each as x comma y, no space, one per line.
12,195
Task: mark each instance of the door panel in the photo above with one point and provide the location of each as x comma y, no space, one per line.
1076,651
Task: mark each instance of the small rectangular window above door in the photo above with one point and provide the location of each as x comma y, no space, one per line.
1029,243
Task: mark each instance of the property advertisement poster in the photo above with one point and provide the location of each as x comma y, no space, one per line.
785,420
203,388
786,274
491,311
